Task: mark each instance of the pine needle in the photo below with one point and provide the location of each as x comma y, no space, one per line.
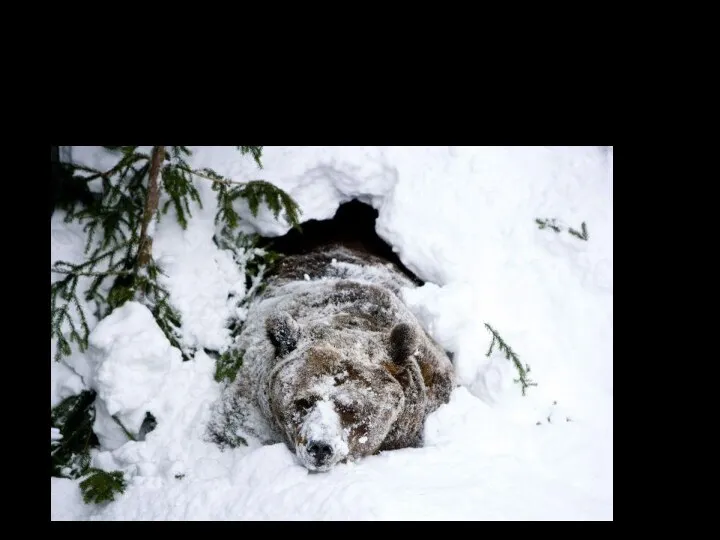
523,371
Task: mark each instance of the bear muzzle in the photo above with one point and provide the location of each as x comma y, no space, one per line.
320,455
321,444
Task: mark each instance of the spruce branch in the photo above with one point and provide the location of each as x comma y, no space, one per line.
178,184
254,191
523,371
118,247
65,300
548,223
62,316
101,486
210,175
276,199
118,252
552,224
253,263
256,152
227,365
581,235
91,274
73,417
157,299
127,432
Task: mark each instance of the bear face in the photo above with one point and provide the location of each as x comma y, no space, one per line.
336,363
331,408
340,396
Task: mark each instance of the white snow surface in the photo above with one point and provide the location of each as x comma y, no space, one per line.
463,219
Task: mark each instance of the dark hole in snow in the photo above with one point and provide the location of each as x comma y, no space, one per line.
352,226
215,355
66,188
149,423
234,326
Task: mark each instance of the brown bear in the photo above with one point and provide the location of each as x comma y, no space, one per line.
334,363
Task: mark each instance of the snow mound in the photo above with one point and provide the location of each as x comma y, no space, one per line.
190,258
132,358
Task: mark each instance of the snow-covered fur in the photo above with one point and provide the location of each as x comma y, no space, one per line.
335,362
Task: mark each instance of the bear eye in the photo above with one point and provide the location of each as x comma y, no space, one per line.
347,412
346,408
303,404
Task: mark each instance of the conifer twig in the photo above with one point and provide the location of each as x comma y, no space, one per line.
217,180
581,235
523,371
551,223
125,430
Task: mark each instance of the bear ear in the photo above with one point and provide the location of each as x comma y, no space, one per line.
283,332
404,341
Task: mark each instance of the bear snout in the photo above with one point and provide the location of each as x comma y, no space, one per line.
320,455
320,452
322,441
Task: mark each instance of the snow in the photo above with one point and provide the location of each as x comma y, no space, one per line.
131,360
461,218
190,258
66,502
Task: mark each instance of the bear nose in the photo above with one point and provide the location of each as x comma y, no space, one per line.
320,451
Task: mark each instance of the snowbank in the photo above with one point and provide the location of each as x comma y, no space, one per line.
463,219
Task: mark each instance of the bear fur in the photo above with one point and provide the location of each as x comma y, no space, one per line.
334,363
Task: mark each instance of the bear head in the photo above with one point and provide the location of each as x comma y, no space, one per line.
339,393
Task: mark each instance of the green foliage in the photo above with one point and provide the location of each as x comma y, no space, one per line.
178,184
255,193
113,222
227,195
113,217
252,260
62,315
523,371
276,199
552,224
70,456
158,301
549,223
228,365
102,486
74,417
70,189
256,152
142,285
581,235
